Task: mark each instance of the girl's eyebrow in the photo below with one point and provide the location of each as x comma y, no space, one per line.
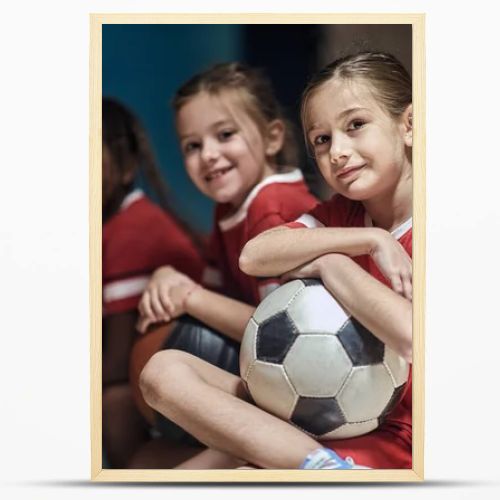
348,111
340,116
212,126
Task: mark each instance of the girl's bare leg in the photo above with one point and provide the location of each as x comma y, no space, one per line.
212,405
211,459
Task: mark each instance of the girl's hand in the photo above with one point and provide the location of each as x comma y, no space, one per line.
311,269
157,303
394,263
178,299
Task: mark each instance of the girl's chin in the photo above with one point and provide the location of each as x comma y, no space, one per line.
232,195
226,198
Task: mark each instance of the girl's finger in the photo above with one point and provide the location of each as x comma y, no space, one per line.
142,324
140,307
407,288
165,301
397,285
146,310
156,305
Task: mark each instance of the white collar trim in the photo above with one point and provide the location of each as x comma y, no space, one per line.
234,219
132,197
398,232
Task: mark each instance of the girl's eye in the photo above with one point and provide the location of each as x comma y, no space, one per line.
320,140
356,124
224,135
191,146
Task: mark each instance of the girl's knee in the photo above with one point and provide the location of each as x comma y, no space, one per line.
162,374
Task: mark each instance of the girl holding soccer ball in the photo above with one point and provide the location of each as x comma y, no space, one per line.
357,119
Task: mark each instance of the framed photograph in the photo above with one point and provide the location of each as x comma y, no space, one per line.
157,136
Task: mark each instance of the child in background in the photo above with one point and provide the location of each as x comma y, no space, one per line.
238,151
357,118
137,237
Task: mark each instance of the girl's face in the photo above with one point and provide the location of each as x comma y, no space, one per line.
224,158
358,146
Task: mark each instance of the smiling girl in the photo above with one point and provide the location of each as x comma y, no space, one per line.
239,152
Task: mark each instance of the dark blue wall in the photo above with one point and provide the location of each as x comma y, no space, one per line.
142,66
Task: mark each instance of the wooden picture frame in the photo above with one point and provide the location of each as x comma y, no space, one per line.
261,476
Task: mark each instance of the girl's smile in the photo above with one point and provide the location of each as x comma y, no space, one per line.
349,171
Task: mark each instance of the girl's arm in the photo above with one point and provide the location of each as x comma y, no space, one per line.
221,313
282,249
170,294
386,314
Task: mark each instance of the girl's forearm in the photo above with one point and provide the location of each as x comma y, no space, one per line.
282,249
226,315
382,311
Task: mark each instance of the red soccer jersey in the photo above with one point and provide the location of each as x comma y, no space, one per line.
138,239
278,199
389,446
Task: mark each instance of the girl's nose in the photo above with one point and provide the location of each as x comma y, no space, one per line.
340,151
210,152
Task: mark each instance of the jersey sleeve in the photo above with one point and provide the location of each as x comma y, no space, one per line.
127,265
267,222
335,212
135,243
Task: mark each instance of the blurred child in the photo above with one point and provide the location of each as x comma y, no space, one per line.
137,237
357,119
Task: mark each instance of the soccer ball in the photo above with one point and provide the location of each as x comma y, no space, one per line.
305,360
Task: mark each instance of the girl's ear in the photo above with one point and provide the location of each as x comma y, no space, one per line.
275,137
407,123
128,175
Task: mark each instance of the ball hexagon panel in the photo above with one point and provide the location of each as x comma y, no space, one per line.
397,366
352,430
317,365
369,385
269,386
277,300
313,310
317,415
248,352
275,337
361,345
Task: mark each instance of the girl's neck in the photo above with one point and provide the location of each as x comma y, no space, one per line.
389,210
268,170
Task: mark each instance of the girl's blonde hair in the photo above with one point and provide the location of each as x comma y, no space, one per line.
382,72
256,94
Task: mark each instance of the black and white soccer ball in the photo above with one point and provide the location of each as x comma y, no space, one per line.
305,360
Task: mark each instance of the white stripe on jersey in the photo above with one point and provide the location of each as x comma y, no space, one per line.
309,221
124,289
398,232
284,178
132,197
